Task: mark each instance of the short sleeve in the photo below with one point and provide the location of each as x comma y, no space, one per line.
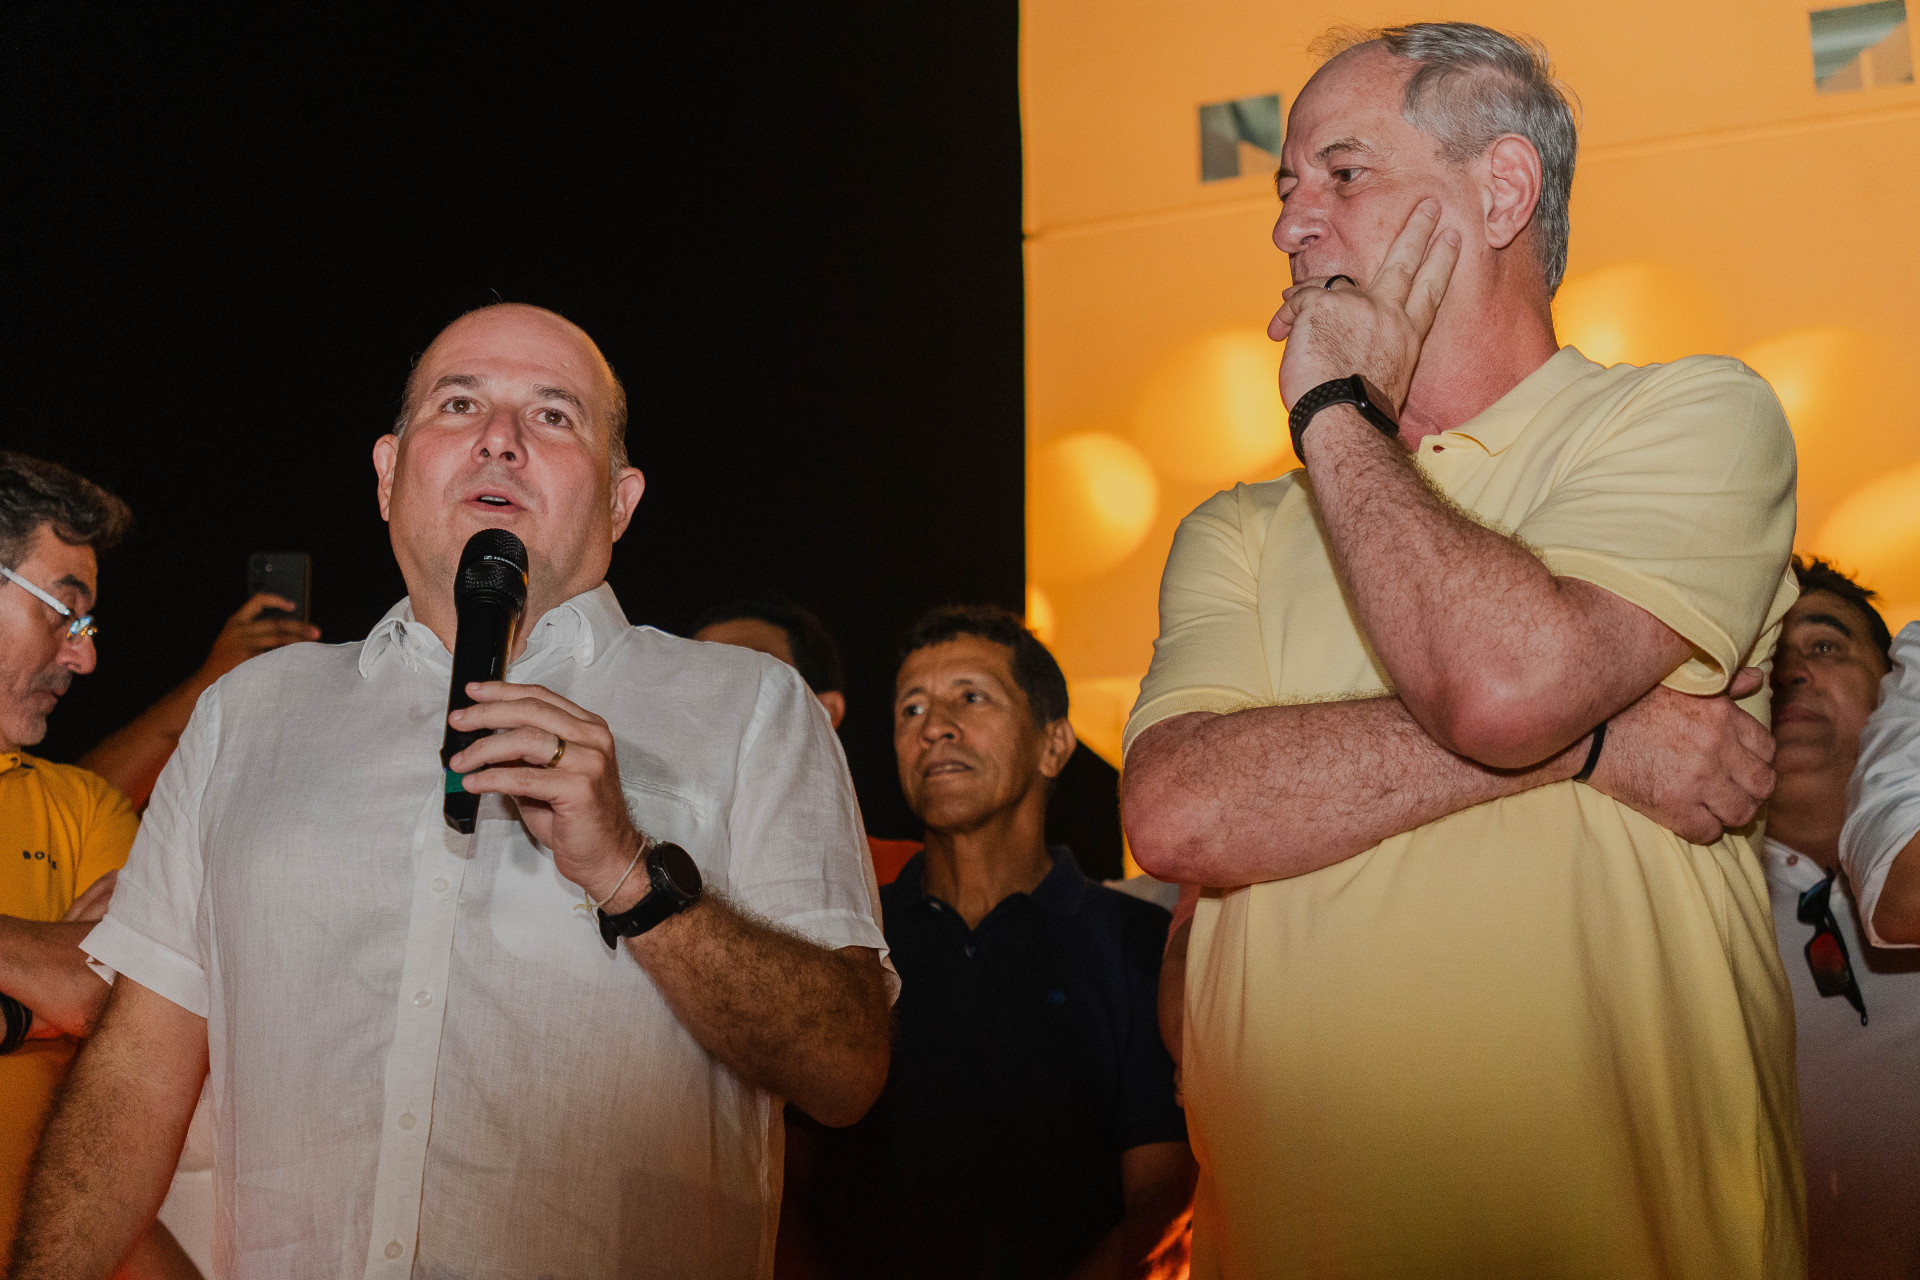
151,931
1148,1109
109,834
1883,796
1683,504
797,849
1208,655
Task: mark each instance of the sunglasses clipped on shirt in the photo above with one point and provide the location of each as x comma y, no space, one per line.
77,628
1827,950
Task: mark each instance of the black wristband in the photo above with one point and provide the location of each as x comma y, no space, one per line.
1350,390
1593,753
19,1021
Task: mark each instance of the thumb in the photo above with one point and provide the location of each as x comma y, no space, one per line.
1746,683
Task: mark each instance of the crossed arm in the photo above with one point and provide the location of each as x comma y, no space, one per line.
42,966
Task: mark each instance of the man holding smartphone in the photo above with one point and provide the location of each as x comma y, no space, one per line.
555,1046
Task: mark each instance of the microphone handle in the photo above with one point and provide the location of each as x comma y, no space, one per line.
486,623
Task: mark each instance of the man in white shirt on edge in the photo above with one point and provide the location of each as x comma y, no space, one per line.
424,1058
1856,1004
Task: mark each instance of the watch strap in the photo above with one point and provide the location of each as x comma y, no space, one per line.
1348,390
664,900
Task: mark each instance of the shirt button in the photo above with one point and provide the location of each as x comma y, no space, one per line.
393,1248
439,884
423,998
1793,859
407,1121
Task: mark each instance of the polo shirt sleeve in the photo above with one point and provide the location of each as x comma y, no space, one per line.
1883,796
1208,655
798,850
1148,1110
109,833
151,932
1682,502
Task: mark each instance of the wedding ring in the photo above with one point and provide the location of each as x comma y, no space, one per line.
559,750
1328,286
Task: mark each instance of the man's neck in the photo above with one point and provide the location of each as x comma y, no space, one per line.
1480,348
973,871
1806,814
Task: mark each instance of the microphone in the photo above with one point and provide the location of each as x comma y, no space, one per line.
489,594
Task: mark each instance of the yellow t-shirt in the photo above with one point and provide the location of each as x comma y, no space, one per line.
61,829
1542,1036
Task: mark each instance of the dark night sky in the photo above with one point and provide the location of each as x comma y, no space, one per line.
794,230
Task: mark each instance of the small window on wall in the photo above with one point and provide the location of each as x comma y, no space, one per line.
1242,136
1861,46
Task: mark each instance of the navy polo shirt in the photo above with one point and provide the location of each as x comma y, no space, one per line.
1027,1057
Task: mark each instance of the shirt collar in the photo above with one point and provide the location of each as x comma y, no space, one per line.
1791,867
1500,423
584,628
1060,893
11,760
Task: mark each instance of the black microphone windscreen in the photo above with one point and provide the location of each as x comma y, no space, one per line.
494,562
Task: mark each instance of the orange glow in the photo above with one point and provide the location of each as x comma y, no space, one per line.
1875,534
1090,499
1640,313
1212,411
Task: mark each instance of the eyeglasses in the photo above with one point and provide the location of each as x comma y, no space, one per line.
1827,951
77,628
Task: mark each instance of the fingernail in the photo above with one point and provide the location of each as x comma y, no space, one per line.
1430,205
1453,238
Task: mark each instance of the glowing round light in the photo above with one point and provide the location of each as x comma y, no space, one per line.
1875,535
1843,393
1091,498
1040,617
1211,412
1639,313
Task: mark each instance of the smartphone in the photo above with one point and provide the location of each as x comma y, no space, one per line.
284,573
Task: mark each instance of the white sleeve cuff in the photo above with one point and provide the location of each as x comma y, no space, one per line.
116,948
834,928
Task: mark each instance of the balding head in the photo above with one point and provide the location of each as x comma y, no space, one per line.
612,410
511,421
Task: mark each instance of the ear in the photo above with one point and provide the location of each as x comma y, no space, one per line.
628,485
1512,189
1061,742
386,456
836,704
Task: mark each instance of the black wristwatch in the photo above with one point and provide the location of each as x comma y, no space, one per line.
676,886
1354,390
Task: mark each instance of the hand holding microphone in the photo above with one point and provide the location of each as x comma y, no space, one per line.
489,595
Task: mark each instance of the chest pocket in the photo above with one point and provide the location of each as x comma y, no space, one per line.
531,908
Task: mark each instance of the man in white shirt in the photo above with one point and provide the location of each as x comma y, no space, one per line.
1856,1004
424,1058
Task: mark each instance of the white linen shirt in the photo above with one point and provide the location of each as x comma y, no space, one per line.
425,1061
1883,795
1859,1088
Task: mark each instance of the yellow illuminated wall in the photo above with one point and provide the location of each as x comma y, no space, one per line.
1721,204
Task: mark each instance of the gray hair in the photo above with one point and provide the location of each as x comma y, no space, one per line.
1476,85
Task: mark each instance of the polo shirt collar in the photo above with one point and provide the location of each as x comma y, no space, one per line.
1500,423
583,628
11,760
1791,867
1060,893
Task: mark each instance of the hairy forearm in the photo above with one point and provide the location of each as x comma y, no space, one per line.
42,966
1274,792
1896,917
110,1148
132,757
808,1024
1496,657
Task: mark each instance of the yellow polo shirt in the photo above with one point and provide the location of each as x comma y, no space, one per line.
1542,1036
61,829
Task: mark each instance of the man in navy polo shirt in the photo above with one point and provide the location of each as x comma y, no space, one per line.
1029,1126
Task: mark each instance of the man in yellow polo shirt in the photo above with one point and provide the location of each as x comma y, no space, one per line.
1478,987
64,832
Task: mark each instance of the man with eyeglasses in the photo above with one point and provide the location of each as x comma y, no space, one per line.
64,832
1856,1004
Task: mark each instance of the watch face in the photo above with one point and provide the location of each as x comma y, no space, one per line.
679,868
